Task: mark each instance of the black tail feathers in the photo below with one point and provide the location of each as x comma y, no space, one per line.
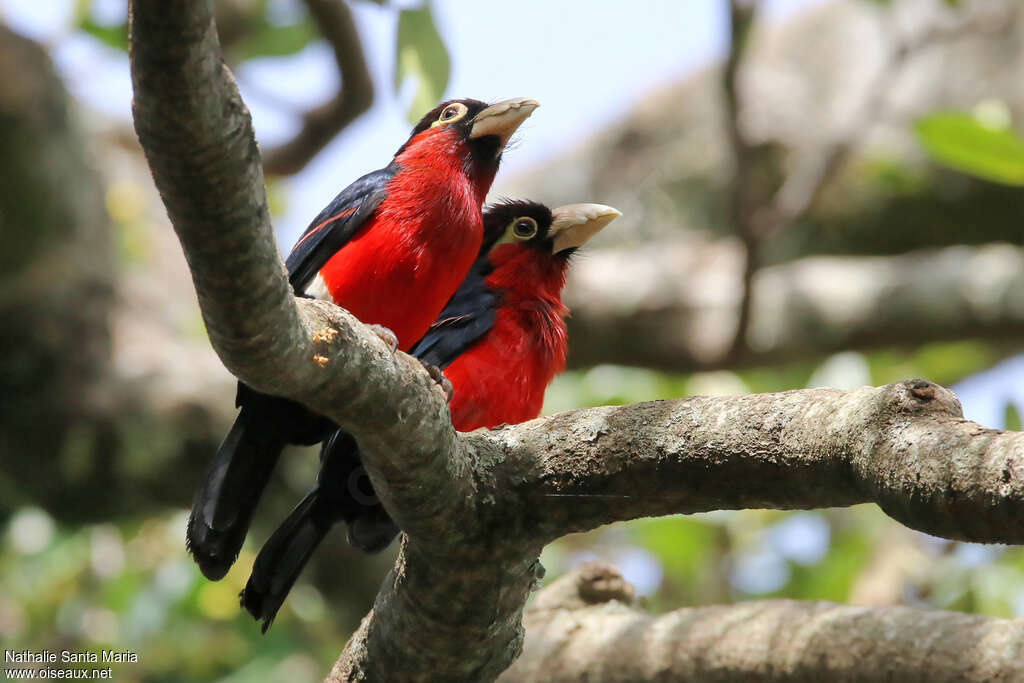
343,493
224,504
283,557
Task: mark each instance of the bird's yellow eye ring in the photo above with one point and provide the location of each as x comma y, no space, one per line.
455,111
524,228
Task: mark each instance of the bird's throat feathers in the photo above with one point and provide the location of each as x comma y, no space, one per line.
530,281
440,155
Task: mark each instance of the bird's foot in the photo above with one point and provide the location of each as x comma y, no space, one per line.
386,336
438,376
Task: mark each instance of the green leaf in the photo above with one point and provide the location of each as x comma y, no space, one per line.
421,54
960,141
270,40
1011,418
114,36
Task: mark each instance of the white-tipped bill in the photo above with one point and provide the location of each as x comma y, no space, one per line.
502,119
572,225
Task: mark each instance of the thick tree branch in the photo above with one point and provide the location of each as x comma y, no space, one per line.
903,446
675,307
354,96
582,627
477,508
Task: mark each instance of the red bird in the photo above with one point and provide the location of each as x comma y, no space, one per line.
391,248
500,339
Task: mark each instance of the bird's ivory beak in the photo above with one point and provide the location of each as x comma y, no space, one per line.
574,224
502,119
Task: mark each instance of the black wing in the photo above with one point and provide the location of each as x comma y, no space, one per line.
467,317
336,225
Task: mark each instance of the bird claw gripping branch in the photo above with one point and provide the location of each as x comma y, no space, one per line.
386,336
437,375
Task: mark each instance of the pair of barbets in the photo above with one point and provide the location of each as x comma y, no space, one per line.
474,293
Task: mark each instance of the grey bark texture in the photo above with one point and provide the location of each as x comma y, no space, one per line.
584,627
477,508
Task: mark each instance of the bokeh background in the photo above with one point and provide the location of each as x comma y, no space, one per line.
848,172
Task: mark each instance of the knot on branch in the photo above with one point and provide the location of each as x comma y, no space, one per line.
597,582
591,583
918,396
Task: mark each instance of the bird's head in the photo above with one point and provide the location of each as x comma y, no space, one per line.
556,233
473,130
528,245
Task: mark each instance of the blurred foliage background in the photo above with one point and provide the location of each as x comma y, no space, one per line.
852,129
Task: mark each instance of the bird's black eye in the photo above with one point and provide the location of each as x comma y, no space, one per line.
453,112
524,228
